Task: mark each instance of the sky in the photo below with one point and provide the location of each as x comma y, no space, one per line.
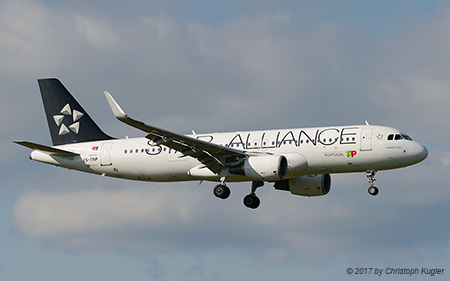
214,66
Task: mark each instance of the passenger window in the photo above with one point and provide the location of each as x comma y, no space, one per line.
125,151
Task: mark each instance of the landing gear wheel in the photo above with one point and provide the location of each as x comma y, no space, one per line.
251,201
221,191
371,178
373,190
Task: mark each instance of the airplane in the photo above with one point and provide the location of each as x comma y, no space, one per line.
296,160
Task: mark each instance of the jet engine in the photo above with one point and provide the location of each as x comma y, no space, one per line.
262,168
297,164
310,185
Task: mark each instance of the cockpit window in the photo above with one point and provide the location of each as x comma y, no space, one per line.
406,137
399,137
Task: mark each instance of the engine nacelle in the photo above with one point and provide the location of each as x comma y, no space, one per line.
297,164
262,168
310,185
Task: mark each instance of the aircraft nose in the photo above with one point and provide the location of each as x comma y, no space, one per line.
420,152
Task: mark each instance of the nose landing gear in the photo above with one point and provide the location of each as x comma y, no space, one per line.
373,190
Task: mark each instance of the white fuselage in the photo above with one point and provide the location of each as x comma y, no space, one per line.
339,149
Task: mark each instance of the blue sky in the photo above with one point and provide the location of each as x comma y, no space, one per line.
224,66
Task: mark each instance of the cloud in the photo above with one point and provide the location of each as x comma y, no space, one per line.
60,214
97,32
257,69
155,270
198,272
182,218
411,84
155,219
29,35
446,159
265,71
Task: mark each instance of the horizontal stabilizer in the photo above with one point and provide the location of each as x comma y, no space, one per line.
46,149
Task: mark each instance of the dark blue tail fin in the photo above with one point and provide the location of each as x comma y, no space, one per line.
67,120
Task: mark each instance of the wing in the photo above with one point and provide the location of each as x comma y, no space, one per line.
47,149
212,156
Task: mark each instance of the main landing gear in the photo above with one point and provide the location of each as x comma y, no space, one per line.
222,191
373,190
250,201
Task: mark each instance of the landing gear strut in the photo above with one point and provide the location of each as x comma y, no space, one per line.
373,190
252,201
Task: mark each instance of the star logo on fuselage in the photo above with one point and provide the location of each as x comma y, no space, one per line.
75,116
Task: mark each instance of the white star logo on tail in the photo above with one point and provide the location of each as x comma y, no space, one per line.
59,118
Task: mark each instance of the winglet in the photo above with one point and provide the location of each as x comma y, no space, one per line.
123,117
116,109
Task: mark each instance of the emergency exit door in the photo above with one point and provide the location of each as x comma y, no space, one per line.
105,155
366,139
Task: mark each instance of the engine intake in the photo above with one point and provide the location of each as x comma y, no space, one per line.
265,168
310,185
